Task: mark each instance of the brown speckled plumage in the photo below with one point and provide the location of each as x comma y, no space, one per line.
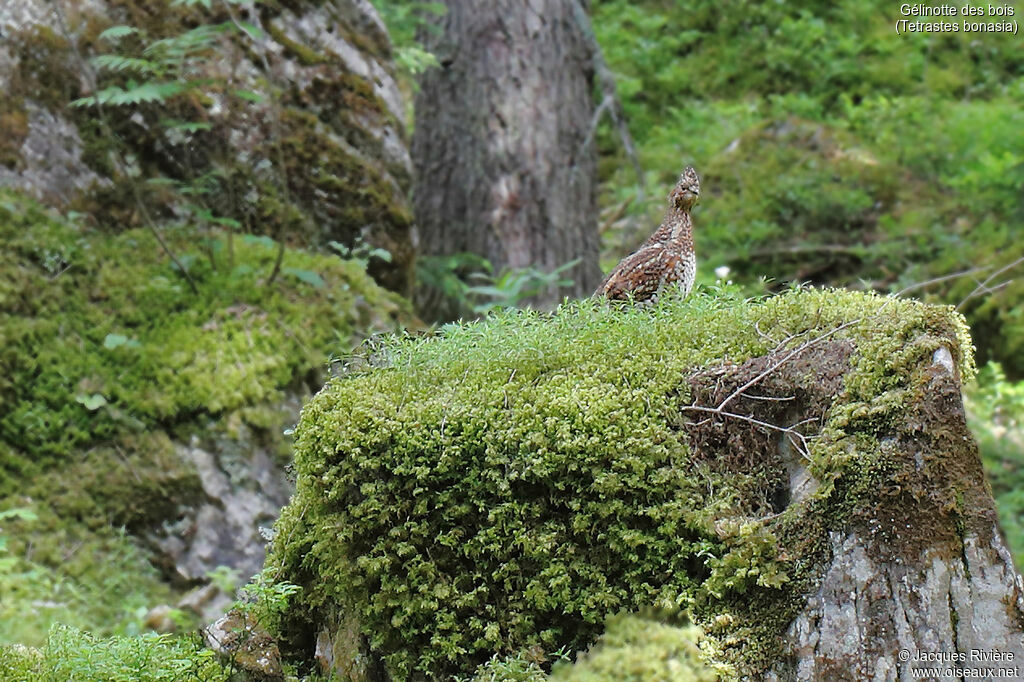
667,257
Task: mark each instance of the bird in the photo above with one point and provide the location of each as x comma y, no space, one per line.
667,257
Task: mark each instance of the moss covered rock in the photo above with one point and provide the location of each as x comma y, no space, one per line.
129,402
511,484
313,151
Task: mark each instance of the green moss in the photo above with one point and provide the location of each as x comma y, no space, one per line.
642,650
305,55
97,346
45,69
342,198
139,481
13,131
345,102
514,482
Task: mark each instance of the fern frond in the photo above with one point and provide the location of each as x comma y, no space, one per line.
113,62
115,33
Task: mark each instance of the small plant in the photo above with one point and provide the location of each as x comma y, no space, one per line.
360,253
513,287
265,598
404,21
72,654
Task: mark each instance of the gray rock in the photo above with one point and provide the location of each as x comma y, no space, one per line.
245,487
335,113
240,640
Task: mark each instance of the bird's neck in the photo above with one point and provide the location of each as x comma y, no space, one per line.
676,228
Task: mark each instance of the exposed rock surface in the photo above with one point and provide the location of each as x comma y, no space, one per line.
332,113
244,486
239,639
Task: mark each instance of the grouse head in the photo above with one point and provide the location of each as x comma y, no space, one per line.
687,190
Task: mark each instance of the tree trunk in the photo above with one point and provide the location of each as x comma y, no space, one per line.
924,586
504,167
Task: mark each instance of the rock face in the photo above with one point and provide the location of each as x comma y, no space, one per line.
243,486
321,157
241,641
795,477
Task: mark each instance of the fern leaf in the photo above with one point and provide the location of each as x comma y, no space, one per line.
113,62
115,33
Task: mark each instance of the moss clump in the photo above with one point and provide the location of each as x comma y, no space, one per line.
97,346
635,649
515,482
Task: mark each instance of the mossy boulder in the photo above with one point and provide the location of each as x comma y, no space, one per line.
314,152
130,403
508,485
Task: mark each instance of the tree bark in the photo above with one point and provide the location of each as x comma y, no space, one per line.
504,168
924,587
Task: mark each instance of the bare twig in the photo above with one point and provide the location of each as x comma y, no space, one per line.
797,249
789,356
617,213
983,286
944,278
798,439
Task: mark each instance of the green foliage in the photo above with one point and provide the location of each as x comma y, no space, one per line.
635,649
995,407
225,578
71,654
521,667
173,65
265,598
405,18
831,150
467,287
513,288
512,483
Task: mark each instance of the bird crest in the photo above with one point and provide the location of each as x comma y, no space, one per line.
687,190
